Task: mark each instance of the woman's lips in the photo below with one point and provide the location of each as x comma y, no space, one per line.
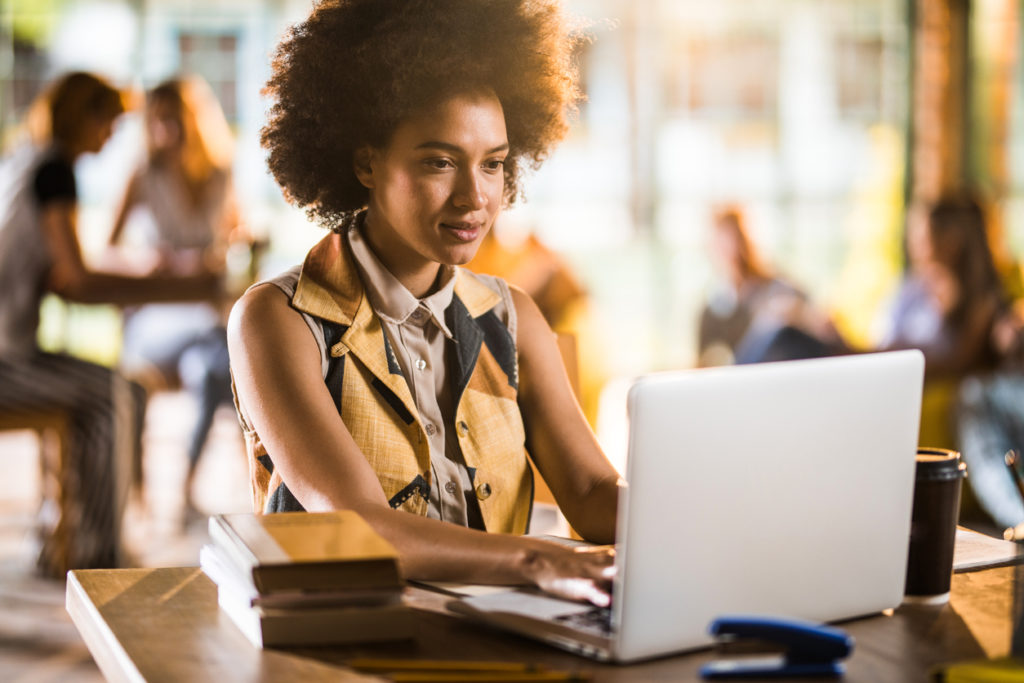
465,232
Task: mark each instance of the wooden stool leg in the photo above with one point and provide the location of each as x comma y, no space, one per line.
54,557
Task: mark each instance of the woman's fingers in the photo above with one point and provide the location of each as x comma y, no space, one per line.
584,574
579,589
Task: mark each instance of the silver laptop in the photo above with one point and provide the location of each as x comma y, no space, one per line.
781,489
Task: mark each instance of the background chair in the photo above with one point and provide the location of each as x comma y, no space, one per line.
52,427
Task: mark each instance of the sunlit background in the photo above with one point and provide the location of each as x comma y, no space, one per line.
821,119
800,111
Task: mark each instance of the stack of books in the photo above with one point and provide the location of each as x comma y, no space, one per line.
299,578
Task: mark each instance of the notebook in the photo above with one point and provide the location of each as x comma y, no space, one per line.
779,489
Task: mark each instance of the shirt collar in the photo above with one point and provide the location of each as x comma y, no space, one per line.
390,298
330,287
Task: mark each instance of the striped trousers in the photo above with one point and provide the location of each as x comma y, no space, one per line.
105,414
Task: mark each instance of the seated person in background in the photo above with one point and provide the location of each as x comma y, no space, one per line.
953,307
513,252
190,216
516,255
754,315
382,377
951,297
40,253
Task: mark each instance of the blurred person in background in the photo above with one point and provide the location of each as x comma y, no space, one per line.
39,253
752,314
952,296
954,307
188,218
512,251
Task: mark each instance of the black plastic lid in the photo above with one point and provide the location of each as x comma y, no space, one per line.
939,464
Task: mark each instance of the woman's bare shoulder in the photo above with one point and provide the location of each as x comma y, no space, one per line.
531,320
262,307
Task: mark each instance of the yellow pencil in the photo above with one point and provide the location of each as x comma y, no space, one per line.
367,664
485,676
458,671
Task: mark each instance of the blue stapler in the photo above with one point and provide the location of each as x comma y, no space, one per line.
809,649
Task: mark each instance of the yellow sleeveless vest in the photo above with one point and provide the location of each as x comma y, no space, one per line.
377,407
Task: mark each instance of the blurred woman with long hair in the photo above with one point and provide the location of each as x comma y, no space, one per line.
185,180
949,303
184,186
954,306
753,314
39,253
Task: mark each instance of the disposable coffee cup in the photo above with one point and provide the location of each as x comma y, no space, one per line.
935,514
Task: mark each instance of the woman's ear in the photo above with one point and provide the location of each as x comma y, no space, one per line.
362,164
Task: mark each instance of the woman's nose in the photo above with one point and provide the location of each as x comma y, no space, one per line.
470,191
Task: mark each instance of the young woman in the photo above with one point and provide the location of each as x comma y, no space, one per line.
380,376
753,315
185,186
955,308
952,297
40,253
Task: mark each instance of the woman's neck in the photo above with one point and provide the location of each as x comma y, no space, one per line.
416,274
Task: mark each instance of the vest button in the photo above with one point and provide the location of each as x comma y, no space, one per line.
483,491
463,428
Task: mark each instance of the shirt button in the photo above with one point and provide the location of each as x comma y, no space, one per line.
483,491
463,428
451,488
431,429
420,363
418,315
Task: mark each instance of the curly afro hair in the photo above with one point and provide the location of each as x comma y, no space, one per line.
350,73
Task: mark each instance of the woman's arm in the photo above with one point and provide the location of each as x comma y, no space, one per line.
276,366
973,341
232,229
559,439
71,278
944,357
128,201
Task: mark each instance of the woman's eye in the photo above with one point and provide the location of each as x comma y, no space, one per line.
439,164
494,164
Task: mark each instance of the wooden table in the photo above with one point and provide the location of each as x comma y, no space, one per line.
164,625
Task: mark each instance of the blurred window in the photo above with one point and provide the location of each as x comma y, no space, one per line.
996,118
732,76
214,56
859,76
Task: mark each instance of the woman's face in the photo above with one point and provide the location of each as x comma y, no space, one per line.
726,250
927,247
437,186
920,251
163,125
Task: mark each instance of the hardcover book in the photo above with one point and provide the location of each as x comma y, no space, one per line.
321,625
216,566
305,551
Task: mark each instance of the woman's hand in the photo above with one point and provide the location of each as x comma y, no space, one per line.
583,574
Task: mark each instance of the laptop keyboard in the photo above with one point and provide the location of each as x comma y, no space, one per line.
597,620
